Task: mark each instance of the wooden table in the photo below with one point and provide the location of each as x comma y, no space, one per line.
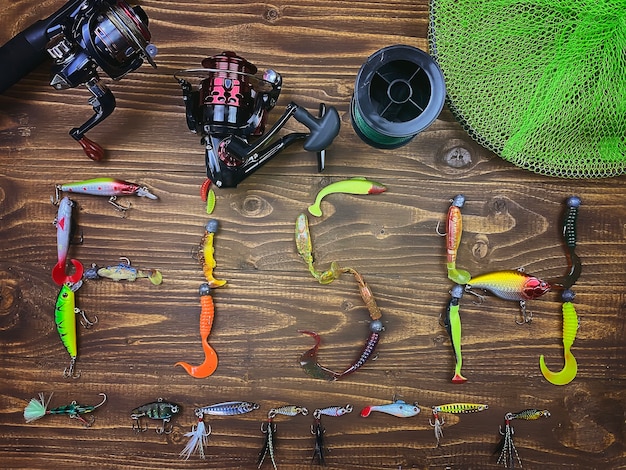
512,218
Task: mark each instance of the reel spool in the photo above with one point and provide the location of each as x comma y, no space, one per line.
399,92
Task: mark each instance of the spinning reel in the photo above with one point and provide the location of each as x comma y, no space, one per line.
79,37
230,105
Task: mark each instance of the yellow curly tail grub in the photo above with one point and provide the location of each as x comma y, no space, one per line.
568,373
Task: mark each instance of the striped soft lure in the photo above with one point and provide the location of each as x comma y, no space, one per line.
206,256
228,408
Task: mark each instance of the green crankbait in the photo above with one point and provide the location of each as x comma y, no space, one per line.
349,186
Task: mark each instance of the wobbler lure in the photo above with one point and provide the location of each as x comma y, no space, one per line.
398,408
454,230
570,327
269,444
452,323
38,408
207,314
64,226
350,186
109,187
510,285
158,410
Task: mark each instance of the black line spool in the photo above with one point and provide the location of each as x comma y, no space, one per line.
398,93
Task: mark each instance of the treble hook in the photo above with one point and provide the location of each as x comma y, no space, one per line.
162,429
526,316
118,206
137,426
68,372
85,322
481,298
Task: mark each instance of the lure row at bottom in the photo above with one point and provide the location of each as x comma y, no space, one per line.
164,411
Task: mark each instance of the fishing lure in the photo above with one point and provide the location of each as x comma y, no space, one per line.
376,327
452,324
510,285
206,254
65,312
157,410
305,249
506,447
318,430
454,408
569,234
198,436
349,186
64,225
570,327
124,272
398,408
38,408
269,444
207,314
308,361
454,230
110,187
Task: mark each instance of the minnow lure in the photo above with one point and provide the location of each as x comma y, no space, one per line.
318,430
110,187
510,285
206,254
38,408
305,249
207,314
63,223
452,324
124,272
65,312
398,408
506,447
349,186
157,410
570,327
198,436
269,444
454,408
454,230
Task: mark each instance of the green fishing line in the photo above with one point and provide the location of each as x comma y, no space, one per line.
541,83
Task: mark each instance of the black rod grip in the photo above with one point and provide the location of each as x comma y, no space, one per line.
22,54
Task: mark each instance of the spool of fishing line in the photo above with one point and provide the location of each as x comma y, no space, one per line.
399,92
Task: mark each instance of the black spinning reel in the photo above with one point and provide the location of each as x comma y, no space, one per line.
230,105
80,37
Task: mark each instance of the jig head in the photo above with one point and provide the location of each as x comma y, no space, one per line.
38,407
82,37
231,104
350,186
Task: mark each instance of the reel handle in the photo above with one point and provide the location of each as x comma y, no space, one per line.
322,129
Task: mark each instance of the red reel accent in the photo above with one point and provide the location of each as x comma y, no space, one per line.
91,149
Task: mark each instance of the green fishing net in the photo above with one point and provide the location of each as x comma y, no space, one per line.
540,83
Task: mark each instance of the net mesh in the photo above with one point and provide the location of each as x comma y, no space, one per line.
540,83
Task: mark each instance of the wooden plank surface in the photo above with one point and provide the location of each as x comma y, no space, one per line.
511,219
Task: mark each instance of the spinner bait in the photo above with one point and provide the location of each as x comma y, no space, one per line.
158,410
506,447
207,314
570,327
38,408
198,436
110,187
398,408
124,272
349,186
454,408
454,230
206,254
318,430
269,444
64,225
452,324
65,312
510,285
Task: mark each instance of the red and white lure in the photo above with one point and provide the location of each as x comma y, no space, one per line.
110,187
63,223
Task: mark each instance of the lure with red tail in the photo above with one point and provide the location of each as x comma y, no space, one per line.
63,223
357,185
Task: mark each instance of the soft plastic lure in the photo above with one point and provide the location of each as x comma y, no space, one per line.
63,223
452,323
506,447
511,285
109,187
158,410
65,312
38,408
269,444
305,250
454,230
206,254
569,234
207,314
570,327
454,408
349,186
318,430
124,272
398,408
308,361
